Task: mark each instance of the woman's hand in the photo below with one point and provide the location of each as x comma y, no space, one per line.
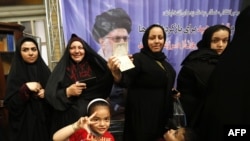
75,89
176,93
37,88
114,66
41,93
34,86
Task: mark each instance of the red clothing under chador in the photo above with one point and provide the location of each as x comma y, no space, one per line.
83,135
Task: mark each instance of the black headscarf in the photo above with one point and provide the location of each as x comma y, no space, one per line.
98,64
110,20
204,52
25,116
22,72
205,42
159,56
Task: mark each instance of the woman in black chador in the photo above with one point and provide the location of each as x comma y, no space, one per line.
27,107
66,92
197,68
228,100
150,83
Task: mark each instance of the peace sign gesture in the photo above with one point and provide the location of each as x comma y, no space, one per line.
84,123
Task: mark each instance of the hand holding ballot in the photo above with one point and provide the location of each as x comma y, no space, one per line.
120,50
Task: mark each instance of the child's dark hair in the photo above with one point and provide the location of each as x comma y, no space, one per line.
190,135
97,102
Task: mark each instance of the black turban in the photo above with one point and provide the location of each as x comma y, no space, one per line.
110,20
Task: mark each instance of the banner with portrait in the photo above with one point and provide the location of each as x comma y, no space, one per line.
184,21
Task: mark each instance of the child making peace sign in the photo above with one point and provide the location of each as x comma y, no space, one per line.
92,128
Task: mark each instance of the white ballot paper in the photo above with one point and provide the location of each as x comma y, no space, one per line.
120,50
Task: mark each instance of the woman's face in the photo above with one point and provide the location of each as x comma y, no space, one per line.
156,39
174,135
29,52
101,121
76,51
219,41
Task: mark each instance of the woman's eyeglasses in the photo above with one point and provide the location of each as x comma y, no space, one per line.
119,38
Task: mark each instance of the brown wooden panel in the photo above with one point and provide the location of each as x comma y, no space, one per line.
20,2
5,62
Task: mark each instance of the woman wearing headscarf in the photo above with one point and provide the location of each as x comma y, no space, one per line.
65,91
196,70
28,109
227,104
150,83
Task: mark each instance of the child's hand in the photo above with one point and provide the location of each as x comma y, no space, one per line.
84,122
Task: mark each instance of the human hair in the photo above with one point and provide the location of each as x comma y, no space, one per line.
190,135
208,33
96,102
110,20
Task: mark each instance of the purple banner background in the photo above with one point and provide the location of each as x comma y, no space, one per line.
184,20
